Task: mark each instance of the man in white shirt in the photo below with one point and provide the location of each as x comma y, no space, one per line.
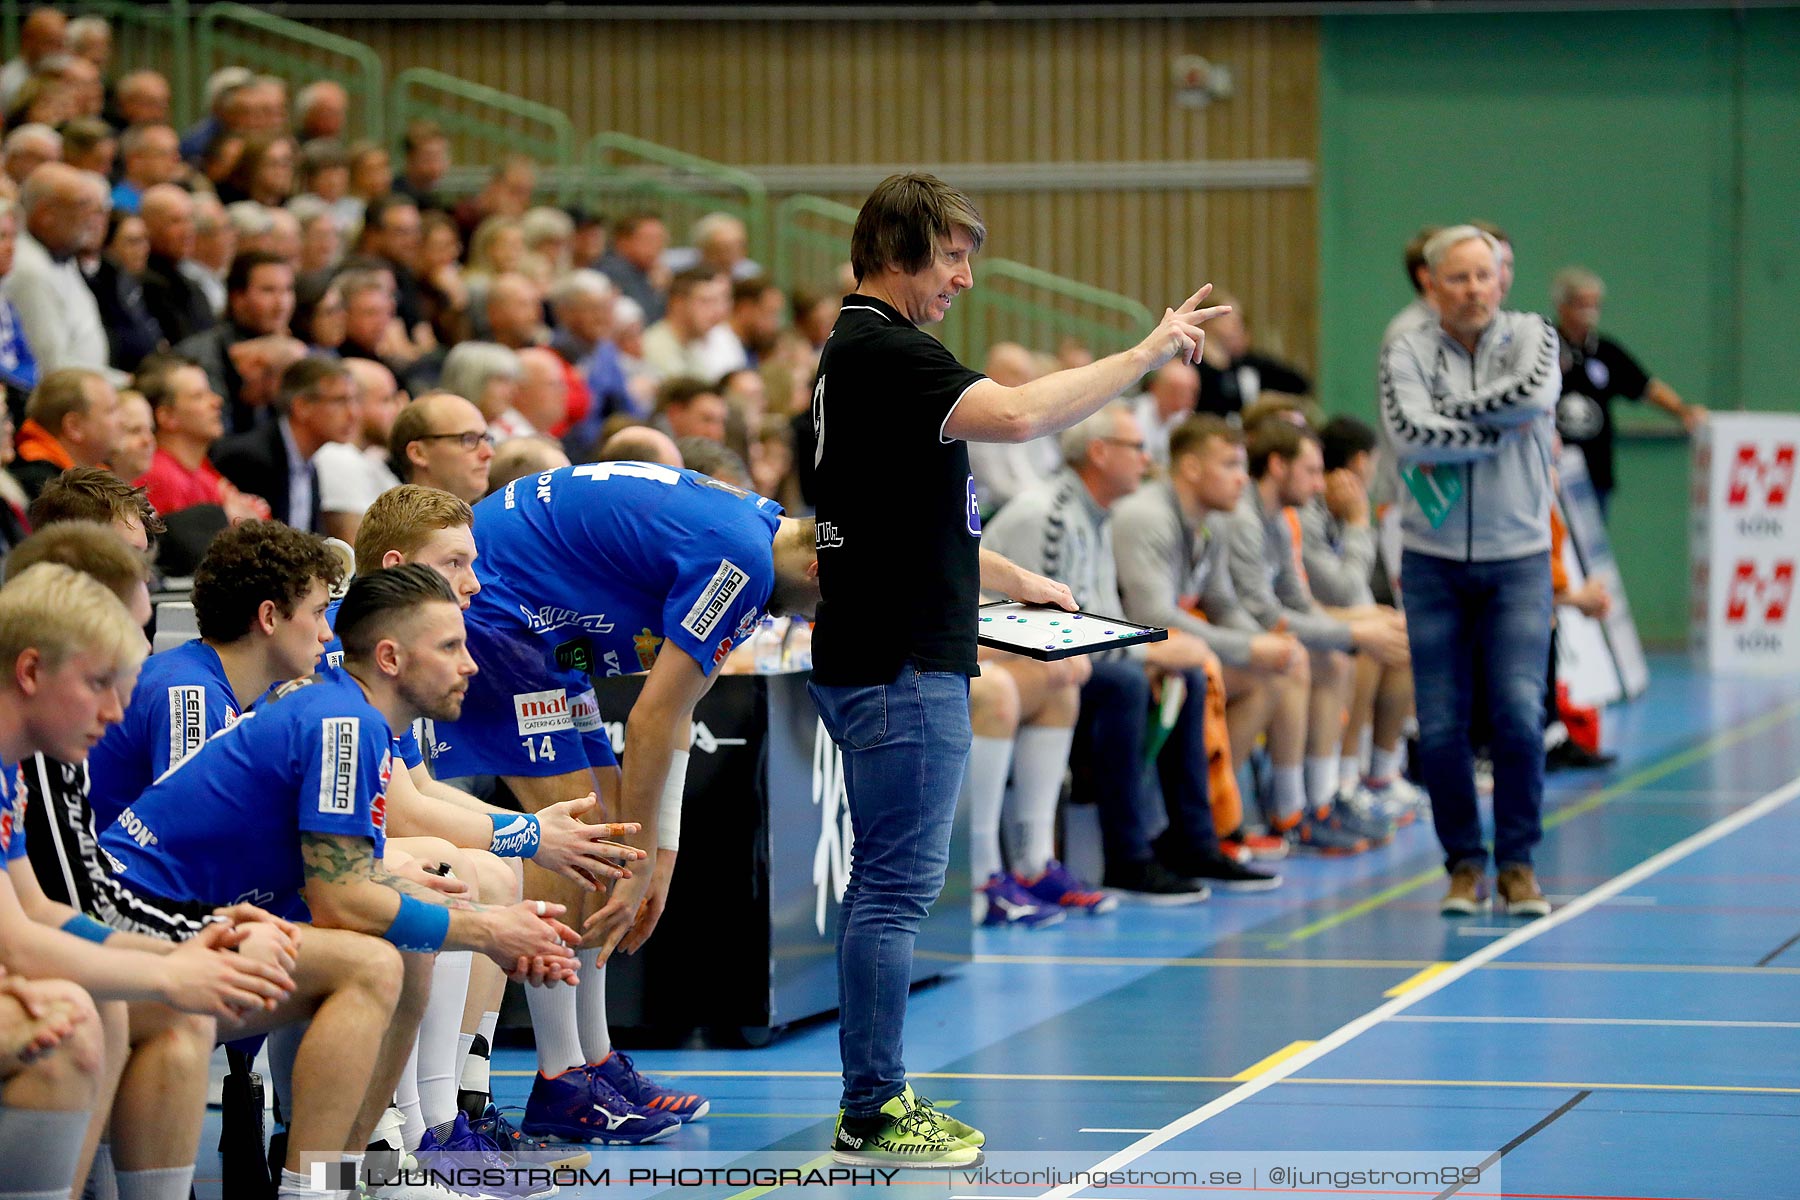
1169,399
1005,469
692,338
351,474
58,312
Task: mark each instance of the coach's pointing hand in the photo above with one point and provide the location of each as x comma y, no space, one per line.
1179,334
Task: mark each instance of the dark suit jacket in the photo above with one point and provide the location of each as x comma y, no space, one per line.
176,301
257,462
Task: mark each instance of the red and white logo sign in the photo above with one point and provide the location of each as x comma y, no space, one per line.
543,712
1756,597
1750,471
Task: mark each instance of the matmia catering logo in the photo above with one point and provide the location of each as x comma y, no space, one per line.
1753,597
831,857
1749,470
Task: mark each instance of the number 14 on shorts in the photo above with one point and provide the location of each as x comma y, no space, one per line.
539,749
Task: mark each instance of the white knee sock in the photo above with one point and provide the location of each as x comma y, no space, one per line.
439,1062
1039,764
169,1183
1290,793
553,1027
984,791
406,1099
1384,764
1321,781
590,1008
284,1048
295,1186
476,1075
40,1148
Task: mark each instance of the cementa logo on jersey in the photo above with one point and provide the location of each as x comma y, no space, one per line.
543,712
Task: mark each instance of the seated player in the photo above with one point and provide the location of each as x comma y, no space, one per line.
290,804
50,1063
596,570
1062,528
1337,548
71,650
1286,472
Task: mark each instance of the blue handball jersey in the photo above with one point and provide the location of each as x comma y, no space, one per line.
407,741
605,560
12,814
226,825
182,698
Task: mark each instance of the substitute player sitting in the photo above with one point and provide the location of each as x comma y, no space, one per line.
598,570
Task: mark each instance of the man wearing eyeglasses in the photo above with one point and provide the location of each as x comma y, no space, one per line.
441,440
316,405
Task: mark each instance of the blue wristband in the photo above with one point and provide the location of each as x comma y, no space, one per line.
516,835
84,926
418,927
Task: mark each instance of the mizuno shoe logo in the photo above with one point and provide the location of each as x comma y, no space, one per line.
614,1121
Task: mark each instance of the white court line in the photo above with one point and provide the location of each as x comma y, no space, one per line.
1650,1021
1116,1131
1436,983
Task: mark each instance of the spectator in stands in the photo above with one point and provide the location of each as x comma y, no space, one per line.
265,106
29,147
353,472
771,461
371,171
443,293
226,111
319,316
264,172
137,440
1233,373
640,443
390,232
321,243
544,396
441,440
589,242
85,89
1419,310
692,338
90,38
747,397
253,225
757,309
507,193
814,315
515,311
371,329
13,500
583,303
497,247
43,34
71,420
634,261
132,331
547,233
1168,400
151,156
189,418
325,178
323,109
18,366
426,150
260,303
688,407
175,300
1597,370
215,245
315,406
719,241
714,461
89,145
523,456
1468,407
140,97
219,158
1003,470
487,374
56,310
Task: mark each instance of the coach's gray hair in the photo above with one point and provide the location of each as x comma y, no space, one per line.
1570,280
1444,239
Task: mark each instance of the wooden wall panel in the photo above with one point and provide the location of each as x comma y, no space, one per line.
970,91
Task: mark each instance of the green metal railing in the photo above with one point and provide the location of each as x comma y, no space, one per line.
144,35
236,33
811,240
475,115
621,170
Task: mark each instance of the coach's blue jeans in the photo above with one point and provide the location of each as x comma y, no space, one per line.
1480,625
904,746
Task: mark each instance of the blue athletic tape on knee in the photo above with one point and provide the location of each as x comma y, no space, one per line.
84,926
668,813
516,835
419,927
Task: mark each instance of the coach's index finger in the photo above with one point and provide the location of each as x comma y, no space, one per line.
1193,301
1202,316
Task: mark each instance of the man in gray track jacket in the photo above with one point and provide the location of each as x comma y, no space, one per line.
1169,540
1468,406
1287,472
1062,529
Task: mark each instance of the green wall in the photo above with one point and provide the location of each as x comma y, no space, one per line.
1662,150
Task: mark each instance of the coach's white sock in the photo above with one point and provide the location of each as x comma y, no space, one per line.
553,1027
1290,794
984,790
590,1008
1039,764
406,1099
169,1183
1321,781
439,1063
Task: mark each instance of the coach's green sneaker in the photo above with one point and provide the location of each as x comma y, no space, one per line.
957,1129
905,1133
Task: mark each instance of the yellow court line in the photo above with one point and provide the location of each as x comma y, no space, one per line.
1606,795
974,1075
1413,981
1552,1084
1280,1056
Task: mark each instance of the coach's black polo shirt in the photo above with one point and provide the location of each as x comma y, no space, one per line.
898,534
1593,375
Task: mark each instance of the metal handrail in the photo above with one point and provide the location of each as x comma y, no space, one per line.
671,174
366,82
556,144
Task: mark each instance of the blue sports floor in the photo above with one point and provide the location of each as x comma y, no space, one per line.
1643,1042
